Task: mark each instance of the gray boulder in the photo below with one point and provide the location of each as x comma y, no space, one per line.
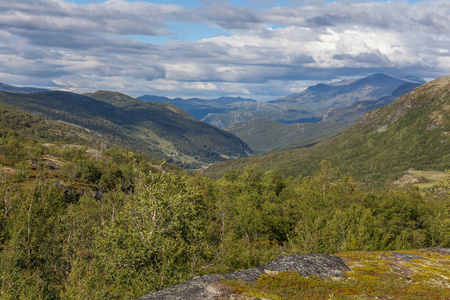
208,286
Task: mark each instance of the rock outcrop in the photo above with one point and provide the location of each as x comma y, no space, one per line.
208,286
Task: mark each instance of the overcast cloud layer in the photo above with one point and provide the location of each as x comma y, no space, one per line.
259,53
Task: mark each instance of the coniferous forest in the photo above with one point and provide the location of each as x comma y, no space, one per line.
113,224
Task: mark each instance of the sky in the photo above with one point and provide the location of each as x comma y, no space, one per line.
259,49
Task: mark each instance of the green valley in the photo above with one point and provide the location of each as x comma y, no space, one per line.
265,136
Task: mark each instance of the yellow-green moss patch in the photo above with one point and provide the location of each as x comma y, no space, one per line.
413,274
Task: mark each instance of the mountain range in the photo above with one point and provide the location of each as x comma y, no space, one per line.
299,120
309,106
412,133
267,135
303,119
322,97
167,131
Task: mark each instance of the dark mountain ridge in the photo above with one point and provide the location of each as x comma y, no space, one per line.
162,130
178,126
16,89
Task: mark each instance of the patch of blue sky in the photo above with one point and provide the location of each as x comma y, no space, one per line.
83,2
276,26
195,31
184,3
160,39
264,4
182,31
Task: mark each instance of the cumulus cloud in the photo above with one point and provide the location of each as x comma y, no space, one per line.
268,53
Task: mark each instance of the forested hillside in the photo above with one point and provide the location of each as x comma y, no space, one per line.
413,133
159,130
111,224
186,134
264,136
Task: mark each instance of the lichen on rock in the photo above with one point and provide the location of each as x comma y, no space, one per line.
206,287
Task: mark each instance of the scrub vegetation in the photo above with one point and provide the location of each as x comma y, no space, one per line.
82,221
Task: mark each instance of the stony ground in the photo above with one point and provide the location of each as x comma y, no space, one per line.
415,274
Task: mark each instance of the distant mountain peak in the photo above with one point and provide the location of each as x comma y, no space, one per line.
322,97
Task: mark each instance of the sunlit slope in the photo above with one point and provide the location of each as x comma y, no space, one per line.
414,132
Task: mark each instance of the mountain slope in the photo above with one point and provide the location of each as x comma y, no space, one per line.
175,125
157,129
411,133
355,111
264,135
23,136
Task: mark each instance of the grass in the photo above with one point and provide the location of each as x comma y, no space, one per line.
432,178
374,275
424,180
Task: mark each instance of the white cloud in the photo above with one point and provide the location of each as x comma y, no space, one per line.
270,52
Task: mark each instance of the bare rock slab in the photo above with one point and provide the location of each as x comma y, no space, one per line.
206,287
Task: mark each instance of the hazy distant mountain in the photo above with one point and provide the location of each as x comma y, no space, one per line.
310,106
413,132
15,89
199,108
262,128
321,97
358,109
